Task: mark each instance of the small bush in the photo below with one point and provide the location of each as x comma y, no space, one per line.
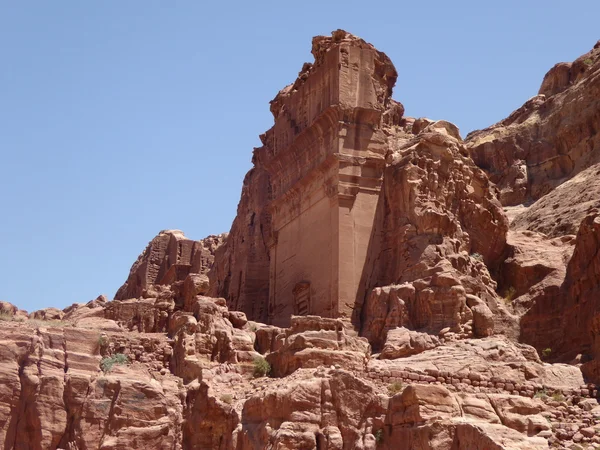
227,398
558,397
588,61
117,359
395,387
102,341
6,316
261,367
546,353
542,393
509,294
378,436
477,256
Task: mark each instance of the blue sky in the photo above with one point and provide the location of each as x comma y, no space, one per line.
120,119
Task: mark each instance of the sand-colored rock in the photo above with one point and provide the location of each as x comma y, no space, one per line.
402,342
560,212
313,341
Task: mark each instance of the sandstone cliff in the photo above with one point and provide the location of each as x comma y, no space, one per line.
348,196
545,158
551,138
373,293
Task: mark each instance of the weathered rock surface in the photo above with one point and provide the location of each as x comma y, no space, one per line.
552,137
560,212
313,341
441,224
52,382
546,156
358,228
402,342
313,190
168,259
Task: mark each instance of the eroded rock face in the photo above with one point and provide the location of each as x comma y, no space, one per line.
54,395
403,221
168,259
401,342
551,138
441,224
313,190
582,283
196,389
241,270
545,156
560,212
313,341
416,256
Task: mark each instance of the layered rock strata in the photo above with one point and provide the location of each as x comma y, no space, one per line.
313,190
347,196
359,230
67,387
552,137
167,260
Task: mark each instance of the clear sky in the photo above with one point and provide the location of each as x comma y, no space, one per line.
122,118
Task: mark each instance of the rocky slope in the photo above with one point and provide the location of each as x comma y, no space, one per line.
551,138
196,386
545,158
473,326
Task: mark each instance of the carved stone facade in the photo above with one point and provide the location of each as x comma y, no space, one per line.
309,204
325,156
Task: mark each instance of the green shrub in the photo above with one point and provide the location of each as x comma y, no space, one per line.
509,294
542,393
546,353
262,368
588,61
378,436
395,387
117,359
558,397
477,256
227,398
6,316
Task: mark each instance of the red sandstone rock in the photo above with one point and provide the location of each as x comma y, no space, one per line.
401,342
551,138
442,222
169,258
560,212
355,197
313,341
406,228
313,189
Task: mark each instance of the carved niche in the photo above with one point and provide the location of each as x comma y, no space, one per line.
302,298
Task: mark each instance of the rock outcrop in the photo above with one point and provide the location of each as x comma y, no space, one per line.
546,157
560,212
313,190
441,225
404,224
196,387
167,260
371,293
552,137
